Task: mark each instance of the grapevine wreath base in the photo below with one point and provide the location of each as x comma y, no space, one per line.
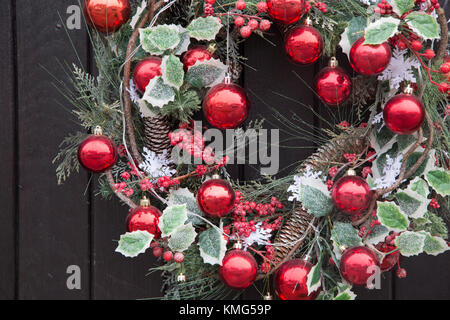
375,192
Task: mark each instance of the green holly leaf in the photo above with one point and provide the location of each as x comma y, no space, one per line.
157,93
147,45
391,216
382,139
413,159
419,186
131,244
401,6
164,37
346,294
185,41
172,71
173,217
206,73
315,197
412,203
410,243
313,281
381,30
434,245
378,234
184,196
182,238
424,25
354,31
213,246
439,180
204,28
344,234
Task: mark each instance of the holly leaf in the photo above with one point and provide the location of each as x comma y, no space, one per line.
172,71
131,244
381,30
354,31
157,93
147,45
206,73
439,180
186,197
182,238
346,294
434,245
410,243
204,28
315,197
344,234
185,41
402,6
391,216
212,246
424,25
412,203
173,217
419,186
313,281
164,37
378,234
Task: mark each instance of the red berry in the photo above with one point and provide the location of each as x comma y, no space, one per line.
443,87
445,68
240,5
416,45
401,273
264,25
239,21
429,54
261,6
401,45
253,24
211,1
168,256
179,257
157,252
246,32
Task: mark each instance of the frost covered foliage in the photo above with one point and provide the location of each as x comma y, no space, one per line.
390,172
400,69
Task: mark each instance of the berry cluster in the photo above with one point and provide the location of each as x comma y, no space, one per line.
167,255
321,6
434,204
192,143
167,182
384,8
248,24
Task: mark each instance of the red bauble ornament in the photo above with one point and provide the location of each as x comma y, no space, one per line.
197,53
226,106
391,259
144,218
286,11
290,281
370,60
404,113
216,197
145,71
358,264
97,153
351,194
107,16
303,44
239,269
333,84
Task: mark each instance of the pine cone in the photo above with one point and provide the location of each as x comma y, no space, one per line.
297,224
156,131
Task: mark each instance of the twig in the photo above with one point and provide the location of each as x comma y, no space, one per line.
442,19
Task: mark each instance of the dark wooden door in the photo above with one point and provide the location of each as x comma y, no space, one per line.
45,228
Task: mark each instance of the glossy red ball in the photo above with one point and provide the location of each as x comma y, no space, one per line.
358,264
97,153
197,53
333,85
290,281
226,106
239,269
286,11
144,219
145,71
107,16
404,114
303,45
351,194
370,60
216,198
389,260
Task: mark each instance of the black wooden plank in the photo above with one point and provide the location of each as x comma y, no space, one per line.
53,220
7,169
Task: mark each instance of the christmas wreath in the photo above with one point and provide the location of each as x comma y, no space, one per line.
374,192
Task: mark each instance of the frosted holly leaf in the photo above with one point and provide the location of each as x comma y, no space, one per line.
412,159
419,186
382,139
378,234
381,30
405,141
410,243
172,71
206,73
439,180
344,234
391,216
434,245
353,32
345,293
172,218
182,238
140,9
204,28
157,93
313,281
164,37
131,244
186,197
424,25
185,41
412,203
402,6
147,45
213,246
315,197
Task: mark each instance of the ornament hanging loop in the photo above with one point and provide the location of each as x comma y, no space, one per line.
98,131
409,89
333,63
145,202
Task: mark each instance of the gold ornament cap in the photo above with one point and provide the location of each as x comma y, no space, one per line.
351,172
212,47
98,131
308,21
408,90
216,176
145,202
181,278
268,297
237,245
333,63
